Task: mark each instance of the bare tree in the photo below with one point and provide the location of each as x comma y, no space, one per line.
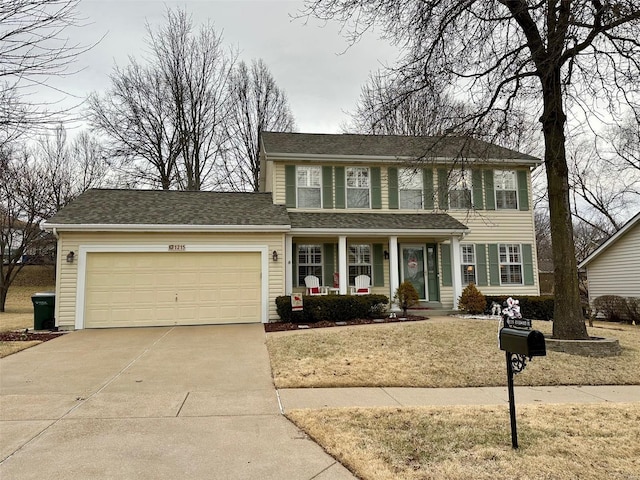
257,104
68,168
34,185
388,107
164,119
604,190
34,46
22,208
137,120
547,56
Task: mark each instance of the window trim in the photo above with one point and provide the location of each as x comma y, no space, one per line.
347,187
370,264
464,265
508,261
496,189
319,188
415,174
305,264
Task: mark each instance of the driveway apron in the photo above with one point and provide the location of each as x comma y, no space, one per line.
151,403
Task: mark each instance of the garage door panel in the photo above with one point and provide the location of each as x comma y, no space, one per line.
169,288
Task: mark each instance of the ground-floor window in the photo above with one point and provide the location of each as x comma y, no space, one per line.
309,262
359,261
510,264
468,255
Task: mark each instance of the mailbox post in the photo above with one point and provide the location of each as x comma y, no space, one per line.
519,342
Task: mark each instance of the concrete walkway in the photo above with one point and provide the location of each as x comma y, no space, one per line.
295,398
151,403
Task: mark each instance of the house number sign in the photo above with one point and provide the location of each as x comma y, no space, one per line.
177,248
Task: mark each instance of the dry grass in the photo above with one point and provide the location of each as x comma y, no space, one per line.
18,316
454,353
559,442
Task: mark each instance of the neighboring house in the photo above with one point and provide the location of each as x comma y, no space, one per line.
334,206
614,267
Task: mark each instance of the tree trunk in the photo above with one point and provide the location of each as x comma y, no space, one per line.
568,322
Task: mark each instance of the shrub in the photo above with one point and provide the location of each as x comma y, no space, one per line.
537,308
472,300
617,309
406,296
331,307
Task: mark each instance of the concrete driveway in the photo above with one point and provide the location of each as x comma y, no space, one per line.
151,403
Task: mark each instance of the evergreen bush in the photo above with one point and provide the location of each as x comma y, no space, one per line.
472,300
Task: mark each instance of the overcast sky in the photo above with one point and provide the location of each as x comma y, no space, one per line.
307,59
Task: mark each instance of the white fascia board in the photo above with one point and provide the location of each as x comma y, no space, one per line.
60,227
359,232
324,158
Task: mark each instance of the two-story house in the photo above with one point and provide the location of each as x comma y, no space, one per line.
438,211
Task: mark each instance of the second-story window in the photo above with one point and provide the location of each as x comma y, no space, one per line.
309,184
410,188
358,187
505,185
460,189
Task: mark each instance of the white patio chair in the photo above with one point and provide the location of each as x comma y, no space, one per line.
313,286
363,285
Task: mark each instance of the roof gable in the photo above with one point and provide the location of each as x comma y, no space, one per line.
631,224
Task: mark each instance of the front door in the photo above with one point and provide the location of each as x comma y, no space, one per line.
413,268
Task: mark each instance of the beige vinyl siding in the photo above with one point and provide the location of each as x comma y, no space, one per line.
71,241
616,271
279,190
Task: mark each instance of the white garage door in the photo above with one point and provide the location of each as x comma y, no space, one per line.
173,288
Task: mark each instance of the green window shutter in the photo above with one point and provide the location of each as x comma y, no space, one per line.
443,189
376,188
378,265
340,186
527,264
294,265
290,185
494,265
476,185
445,261
523,190
327,187
489,195
328,253
481,265
392,173
427,184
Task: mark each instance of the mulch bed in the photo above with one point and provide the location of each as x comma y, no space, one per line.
283,326
28,336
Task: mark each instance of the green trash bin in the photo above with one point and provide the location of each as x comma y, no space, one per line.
44,304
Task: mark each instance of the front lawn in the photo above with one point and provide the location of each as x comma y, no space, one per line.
557,442
451,353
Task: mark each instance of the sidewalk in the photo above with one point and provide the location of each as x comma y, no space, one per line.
295,398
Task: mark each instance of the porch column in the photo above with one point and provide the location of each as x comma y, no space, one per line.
456,274
394,270
288,264
342,264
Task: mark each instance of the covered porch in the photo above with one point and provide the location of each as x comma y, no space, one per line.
387,247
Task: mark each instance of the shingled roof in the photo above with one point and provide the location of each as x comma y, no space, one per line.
162,207
392,146
375,221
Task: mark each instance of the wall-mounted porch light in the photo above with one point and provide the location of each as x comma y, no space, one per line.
386,255
274,256
70,257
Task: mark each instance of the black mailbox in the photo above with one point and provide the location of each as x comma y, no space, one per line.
524,342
